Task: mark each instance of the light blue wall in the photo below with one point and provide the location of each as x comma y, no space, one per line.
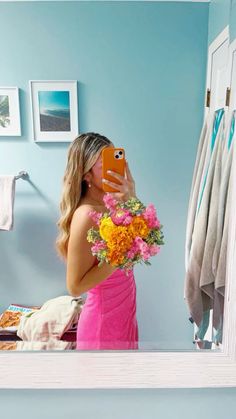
109,99
119,404
233,20
141,70
219,16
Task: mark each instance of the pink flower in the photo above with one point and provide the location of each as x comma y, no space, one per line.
109,201
121,216
154,249
134,249
98,245
139,246
151,217
95,216
131,253
146,250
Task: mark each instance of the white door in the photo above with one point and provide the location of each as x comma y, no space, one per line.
217,70
232,76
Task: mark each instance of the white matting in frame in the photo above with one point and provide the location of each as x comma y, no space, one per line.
54,106
9,112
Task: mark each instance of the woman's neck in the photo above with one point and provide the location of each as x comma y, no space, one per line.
93,197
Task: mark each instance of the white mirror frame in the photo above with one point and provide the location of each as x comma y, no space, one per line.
135,368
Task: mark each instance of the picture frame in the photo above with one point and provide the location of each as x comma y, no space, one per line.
10,124
54,109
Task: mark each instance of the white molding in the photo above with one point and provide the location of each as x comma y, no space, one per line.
103,369
218,41
232,51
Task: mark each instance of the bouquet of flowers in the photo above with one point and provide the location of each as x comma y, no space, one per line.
128,233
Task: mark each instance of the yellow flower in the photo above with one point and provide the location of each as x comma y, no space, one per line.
105,228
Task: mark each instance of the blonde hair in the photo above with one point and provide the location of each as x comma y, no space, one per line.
82,155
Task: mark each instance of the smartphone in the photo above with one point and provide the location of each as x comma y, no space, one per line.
112,159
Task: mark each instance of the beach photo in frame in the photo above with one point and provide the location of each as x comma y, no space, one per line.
54,106
9,112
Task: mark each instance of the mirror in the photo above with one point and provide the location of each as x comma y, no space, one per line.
142,87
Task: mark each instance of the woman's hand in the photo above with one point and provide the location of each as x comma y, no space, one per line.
127,188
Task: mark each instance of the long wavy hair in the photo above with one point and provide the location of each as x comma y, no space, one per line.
82,155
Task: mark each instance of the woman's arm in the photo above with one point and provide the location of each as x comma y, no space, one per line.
81,273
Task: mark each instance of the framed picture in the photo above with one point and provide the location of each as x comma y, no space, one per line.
9,111
54,110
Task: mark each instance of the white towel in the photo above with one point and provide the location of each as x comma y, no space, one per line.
220,279
220,252
207,277
226,168
7,198
52,320
203,155
198,302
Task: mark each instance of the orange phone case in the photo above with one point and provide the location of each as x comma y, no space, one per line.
110,162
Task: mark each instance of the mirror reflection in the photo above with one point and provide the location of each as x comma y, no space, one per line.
112,98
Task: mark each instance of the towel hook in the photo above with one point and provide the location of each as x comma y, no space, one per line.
22,174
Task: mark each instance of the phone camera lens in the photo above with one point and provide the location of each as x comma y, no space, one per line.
120,152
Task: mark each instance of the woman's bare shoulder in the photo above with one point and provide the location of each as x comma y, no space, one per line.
82,212
81,220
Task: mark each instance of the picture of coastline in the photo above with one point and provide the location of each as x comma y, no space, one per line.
4,111
54,109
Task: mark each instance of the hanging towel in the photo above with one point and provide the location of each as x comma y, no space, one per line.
196,181
214,234
221,268
207,277
225,173
7,198
218,310
199,302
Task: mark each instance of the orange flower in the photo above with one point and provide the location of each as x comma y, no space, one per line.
120,239
115,257
139,227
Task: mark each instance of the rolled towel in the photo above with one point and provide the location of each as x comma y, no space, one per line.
7,198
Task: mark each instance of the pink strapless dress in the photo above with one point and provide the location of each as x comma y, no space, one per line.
108,317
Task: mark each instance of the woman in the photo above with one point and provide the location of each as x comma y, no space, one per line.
108,318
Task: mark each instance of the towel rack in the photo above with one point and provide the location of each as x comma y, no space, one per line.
21,174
